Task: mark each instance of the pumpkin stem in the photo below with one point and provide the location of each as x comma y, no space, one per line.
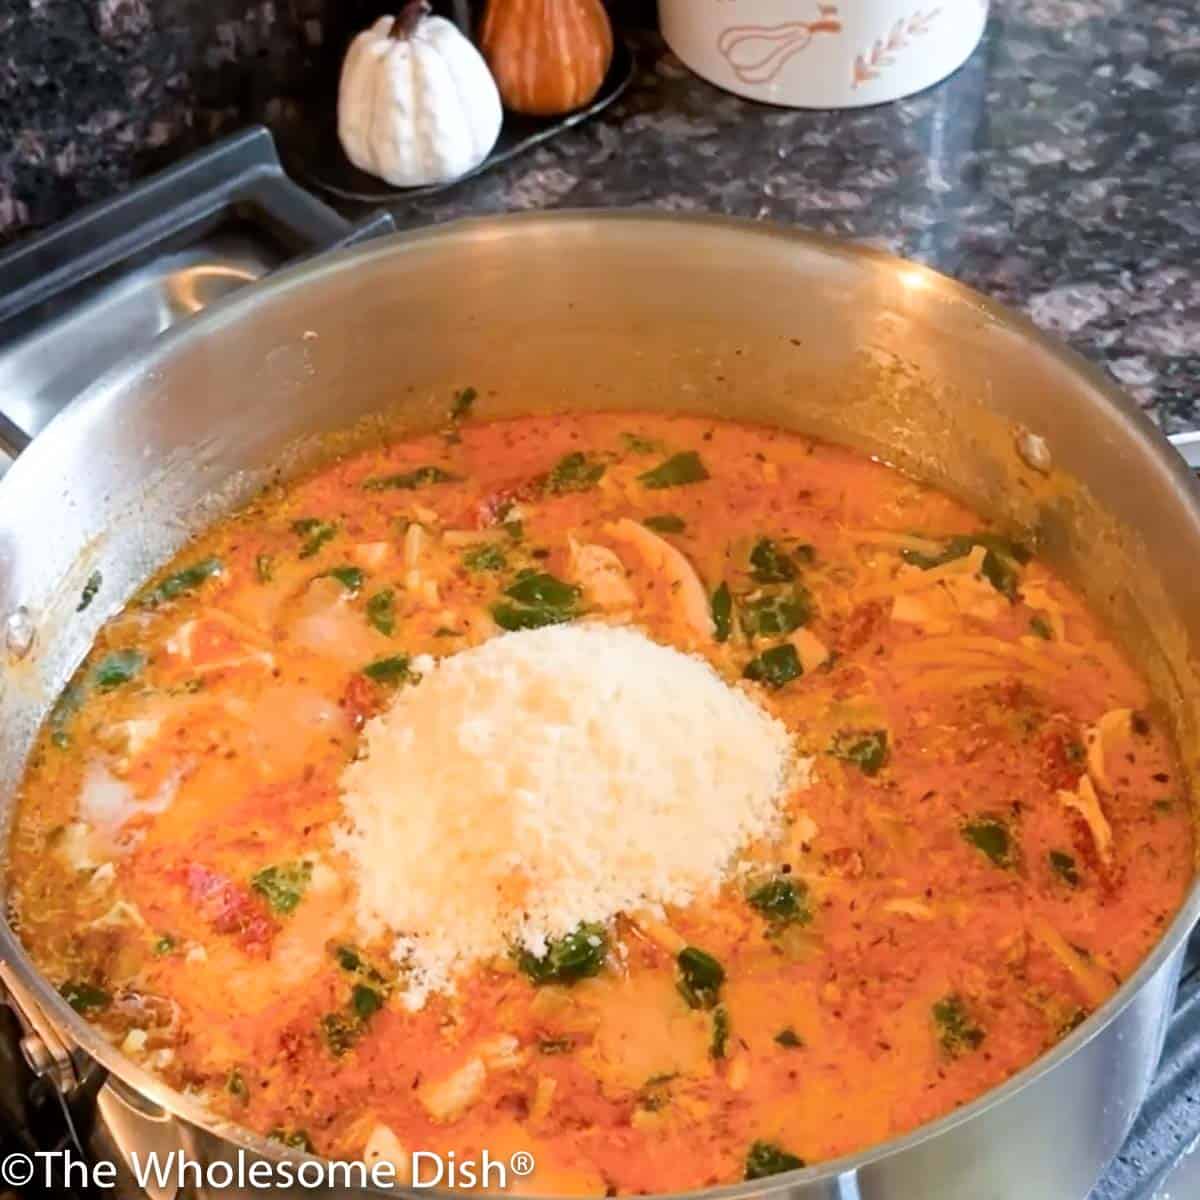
411,15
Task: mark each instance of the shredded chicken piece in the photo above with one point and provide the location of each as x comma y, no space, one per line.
1095,984
448,1098
501,1053
414,543
1087,804
688,595
659,932
371,556
1100,739
602,576
543,1097
917,909
384,1146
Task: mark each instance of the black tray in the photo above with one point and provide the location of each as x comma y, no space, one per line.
315,156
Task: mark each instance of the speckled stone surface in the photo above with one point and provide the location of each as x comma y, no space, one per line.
1059,170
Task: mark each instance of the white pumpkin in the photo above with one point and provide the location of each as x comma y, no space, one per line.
417,104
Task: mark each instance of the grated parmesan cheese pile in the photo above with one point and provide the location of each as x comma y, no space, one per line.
547,778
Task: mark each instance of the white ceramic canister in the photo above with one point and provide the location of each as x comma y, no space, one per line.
823,53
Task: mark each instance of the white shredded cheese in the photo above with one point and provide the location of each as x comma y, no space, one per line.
547,778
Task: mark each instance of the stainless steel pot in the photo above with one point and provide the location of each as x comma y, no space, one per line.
629,311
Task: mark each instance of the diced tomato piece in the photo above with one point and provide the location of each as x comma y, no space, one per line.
362,700
229,908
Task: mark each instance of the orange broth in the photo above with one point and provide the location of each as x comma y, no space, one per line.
996,834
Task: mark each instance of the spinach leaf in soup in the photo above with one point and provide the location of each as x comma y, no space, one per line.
665,523
1063,865
351,578
789,1039
409,481
283,885
574,472
765,1159
775,667
1001,559
485,557
775,613
719,1039
677,471
315,533
769,564
991,837
957,1033
534,600
783,901
577,955
722,612
866,749
84,997
700,977
181,582
394,670
118,668
297,1139
381,611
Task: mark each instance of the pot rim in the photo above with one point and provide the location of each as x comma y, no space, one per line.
88,1039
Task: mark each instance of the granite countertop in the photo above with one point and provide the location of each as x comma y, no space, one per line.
1057,171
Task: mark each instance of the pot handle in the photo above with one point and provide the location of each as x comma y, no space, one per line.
238,181
1188,444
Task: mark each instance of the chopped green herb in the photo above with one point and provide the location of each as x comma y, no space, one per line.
1075,752
315,534
340,1030
65,708
1063,865
409,480
555,1046
487,557
775,667
464,401
1040,627
574,472
381,611
1164,806
956,1031
804,553
720,1032
678,470
235,1085
866,749
578,955
84,997
776,614
347,958
540,600
665,523
999,565
365,1001
722,613
789,1039
351,578
768,564
298,1139
182,582
282,885
700,977
782,901
90,588
765,1159
990,837
264,568
117,668
395,669
165,944
514,529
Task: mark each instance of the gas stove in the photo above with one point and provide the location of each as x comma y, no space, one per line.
79,299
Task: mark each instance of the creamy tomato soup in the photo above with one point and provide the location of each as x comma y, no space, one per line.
968,826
